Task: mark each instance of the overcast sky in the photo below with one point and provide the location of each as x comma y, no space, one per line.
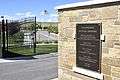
14,9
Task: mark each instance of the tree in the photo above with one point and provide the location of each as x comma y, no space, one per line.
53,29
13,27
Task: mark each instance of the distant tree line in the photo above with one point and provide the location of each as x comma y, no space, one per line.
51,27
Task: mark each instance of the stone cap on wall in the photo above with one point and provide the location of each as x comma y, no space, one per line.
86,3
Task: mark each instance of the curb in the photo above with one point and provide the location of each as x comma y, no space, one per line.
54,54
55,79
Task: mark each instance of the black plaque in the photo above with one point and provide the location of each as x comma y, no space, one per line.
88,46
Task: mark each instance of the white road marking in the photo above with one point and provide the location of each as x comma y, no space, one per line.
7,61
55,79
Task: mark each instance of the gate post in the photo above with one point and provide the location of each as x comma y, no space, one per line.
7,36
3,38
0,40
35,37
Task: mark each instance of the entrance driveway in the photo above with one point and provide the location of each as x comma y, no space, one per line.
40,67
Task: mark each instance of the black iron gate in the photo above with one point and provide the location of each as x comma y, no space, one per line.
18,37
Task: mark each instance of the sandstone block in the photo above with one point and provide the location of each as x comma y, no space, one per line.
106,77
115,78
115,69
106,69
115,74
95,14
110,12
105,50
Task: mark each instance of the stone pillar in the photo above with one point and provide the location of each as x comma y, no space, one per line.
109,16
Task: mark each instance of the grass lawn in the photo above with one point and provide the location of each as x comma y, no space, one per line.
40,49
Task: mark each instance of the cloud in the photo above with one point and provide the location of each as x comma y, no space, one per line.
42,13
52,20
53,17
29,14
8,17
48,18
19,14
25,14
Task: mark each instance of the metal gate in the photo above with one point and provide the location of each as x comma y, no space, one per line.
19,37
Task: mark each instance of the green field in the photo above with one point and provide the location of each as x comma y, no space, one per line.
41,49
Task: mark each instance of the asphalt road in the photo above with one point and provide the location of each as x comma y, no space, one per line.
42,67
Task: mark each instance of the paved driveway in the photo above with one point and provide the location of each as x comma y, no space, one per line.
42,67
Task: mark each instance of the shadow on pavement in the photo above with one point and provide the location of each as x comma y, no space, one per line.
21,58
15,56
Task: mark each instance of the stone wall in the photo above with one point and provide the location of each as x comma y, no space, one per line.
109,16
